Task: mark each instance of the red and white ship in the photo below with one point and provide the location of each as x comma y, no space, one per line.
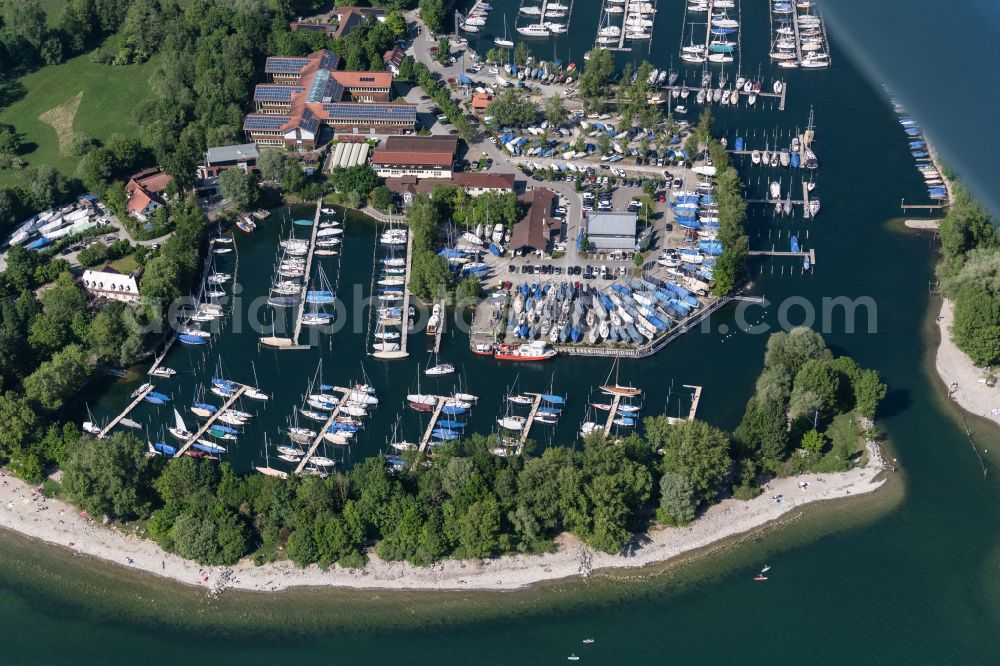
532,351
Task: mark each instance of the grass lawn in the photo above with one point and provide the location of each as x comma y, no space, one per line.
125,265
78,96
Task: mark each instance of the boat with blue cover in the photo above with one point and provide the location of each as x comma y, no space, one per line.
192,340
794,243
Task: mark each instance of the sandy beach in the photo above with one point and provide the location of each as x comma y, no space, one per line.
54,521
965,382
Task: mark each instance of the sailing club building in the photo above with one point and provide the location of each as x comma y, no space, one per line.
306,94
420,156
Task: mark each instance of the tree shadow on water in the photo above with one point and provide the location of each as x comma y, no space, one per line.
895,402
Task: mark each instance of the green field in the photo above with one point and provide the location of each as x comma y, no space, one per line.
109,97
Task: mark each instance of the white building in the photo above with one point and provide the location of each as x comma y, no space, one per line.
111,284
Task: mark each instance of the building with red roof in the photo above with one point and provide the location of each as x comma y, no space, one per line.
145,193
306,94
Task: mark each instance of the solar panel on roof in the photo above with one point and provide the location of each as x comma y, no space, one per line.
266,93
329,61
384,112
279,65
262,122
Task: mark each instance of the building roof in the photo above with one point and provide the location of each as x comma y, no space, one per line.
610,223
137,201
480,180
312,26
412,184
415,144
533,230
413,158
243,151
394,57
144,188
364,79
352,16
343,112
109,280
481,100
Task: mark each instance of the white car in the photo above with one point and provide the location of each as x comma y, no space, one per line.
493,140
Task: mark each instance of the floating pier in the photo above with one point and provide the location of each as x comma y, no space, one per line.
293,342
132,405
526,430
404,317
811,254
210,421
612,414
426,439
345,394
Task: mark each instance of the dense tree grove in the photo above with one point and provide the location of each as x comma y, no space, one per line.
970,275
800,390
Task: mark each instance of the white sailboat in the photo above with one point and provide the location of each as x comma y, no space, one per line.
179,430
504,41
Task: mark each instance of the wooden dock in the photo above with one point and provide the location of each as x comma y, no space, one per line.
132,405
405,315
345,394
310,253
611,415
426,439
526,430
210,421
811,254
798,37
905,206
695,399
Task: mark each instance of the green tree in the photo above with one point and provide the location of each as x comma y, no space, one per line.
813,441
869,391
467,291
555,111
596,75
510,108
10,140
272,164
677,499
19,424
788,351
59,379
763,431
239,188
108,332
976,327
109,477
381,197
360,179
521,54
818,378
480,529
698,452
432,14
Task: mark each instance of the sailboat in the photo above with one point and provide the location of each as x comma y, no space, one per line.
179,430
254,392
315,298
504,41
420,401
618,389
91,426
439,368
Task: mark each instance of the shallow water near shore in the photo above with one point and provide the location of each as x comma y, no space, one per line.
907,574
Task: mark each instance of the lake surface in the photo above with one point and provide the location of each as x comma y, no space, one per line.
908,574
